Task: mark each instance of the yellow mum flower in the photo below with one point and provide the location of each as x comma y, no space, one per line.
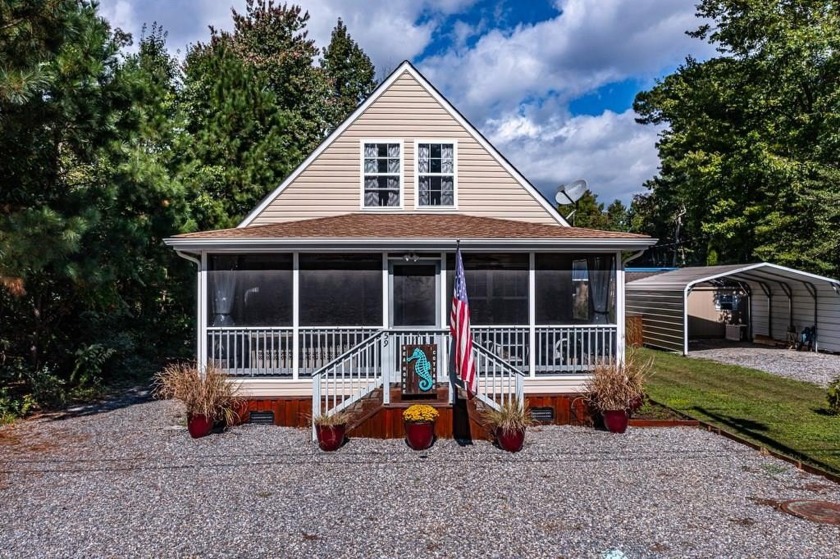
418,412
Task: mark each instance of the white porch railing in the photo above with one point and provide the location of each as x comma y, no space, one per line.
561,349
498,382
251,351
268,351
349,377
573,348
321,345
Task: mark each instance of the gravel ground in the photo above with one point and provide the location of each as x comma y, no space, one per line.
129,482
817,368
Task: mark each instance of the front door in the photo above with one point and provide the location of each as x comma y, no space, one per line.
415,295
414,310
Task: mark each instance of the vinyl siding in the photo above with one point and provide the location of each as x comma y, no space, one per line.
331,184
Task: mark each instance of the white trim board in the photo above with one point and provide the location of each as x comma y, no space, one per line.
406,66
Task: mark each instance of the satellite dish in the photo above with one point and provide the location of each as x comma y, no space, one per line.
570,193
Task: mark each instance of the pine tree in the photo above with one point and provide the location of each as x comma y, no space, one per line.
349,72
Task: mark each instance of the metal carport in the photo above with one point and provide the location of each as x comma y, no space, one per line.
779,298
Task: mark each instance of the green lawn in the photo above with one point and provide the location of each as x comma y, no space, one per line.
784,415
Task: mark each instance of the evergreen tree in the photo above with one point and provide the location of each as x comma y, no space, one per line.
749,158
86,201
238,142
590,213
349,72
255,105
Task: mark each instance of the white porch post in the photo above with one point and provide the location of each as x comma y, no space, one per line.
386,359
295,315
619,308
445,305
201,307
532,315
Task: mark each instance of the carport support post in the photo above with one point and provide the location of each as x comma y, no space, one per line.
686,293
769,294
619,308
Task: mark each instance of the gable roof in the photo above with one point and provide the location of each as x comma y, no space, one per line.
407,67
411,230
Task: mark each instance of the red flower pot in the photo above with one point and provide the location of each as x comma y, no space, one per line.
615,420
420,435
199,425
330,437
511,440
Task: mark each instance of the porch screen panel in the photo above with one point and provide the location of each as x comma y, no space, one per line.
250,290
340,290
497,287
566,289
557,289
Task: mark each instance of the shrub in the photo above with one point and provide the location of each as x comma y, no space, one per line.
614,386
47,389
833,396
512,416
210,394
332,420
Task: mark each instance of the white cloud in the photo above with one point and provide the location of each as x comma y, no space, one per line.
588,44
611,151
388,31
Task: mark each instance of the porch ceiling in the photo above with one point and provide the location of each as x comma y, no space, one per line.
410,230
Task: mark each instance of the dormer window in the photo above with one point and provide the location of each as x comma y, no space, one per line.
382,176
435,174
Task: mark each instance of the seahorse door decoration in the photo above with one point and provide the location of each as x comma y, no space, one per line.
419,363
422,368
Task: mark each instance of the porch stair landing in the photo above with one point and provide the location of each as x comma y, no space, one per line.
373,419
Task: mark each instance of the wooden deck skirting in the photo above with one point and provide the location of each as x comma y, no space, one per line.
385,422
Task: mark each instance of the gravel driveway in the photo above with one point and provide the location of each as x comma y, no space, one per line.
817,368
130,483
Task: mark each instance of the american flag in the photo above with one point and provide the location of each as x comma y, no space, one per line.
459,327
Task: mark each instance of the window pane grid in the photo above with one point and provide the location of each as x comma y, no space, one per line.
436,174
381,174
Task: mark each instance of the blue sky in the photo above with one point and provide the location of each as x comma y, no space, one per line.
550,82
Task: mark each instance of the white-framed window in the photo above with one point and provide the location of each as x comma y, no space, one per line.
436,173
382,173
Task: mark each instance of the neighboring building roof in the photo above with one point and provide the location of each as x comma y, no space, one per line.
686,278
548,209
374,228
633,274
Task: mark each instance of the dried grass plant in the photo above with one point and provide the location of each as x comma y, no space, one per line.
614,386
333,420
512,416
210,395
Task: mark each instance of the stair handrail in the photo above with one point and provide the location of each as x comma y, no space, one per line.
506,367
319,377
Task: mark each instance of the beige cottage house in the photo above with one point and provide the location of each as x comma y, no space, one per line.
316,301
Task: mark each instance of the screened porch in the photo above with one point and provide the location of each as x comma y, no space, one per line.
287,315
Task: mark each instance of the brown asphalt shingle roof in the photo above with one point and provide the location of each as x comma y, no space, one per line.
409,226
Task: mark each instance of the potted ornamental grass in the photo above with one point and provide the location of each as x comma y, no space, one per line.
616,389
208,398
419,421
508,424
331,430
